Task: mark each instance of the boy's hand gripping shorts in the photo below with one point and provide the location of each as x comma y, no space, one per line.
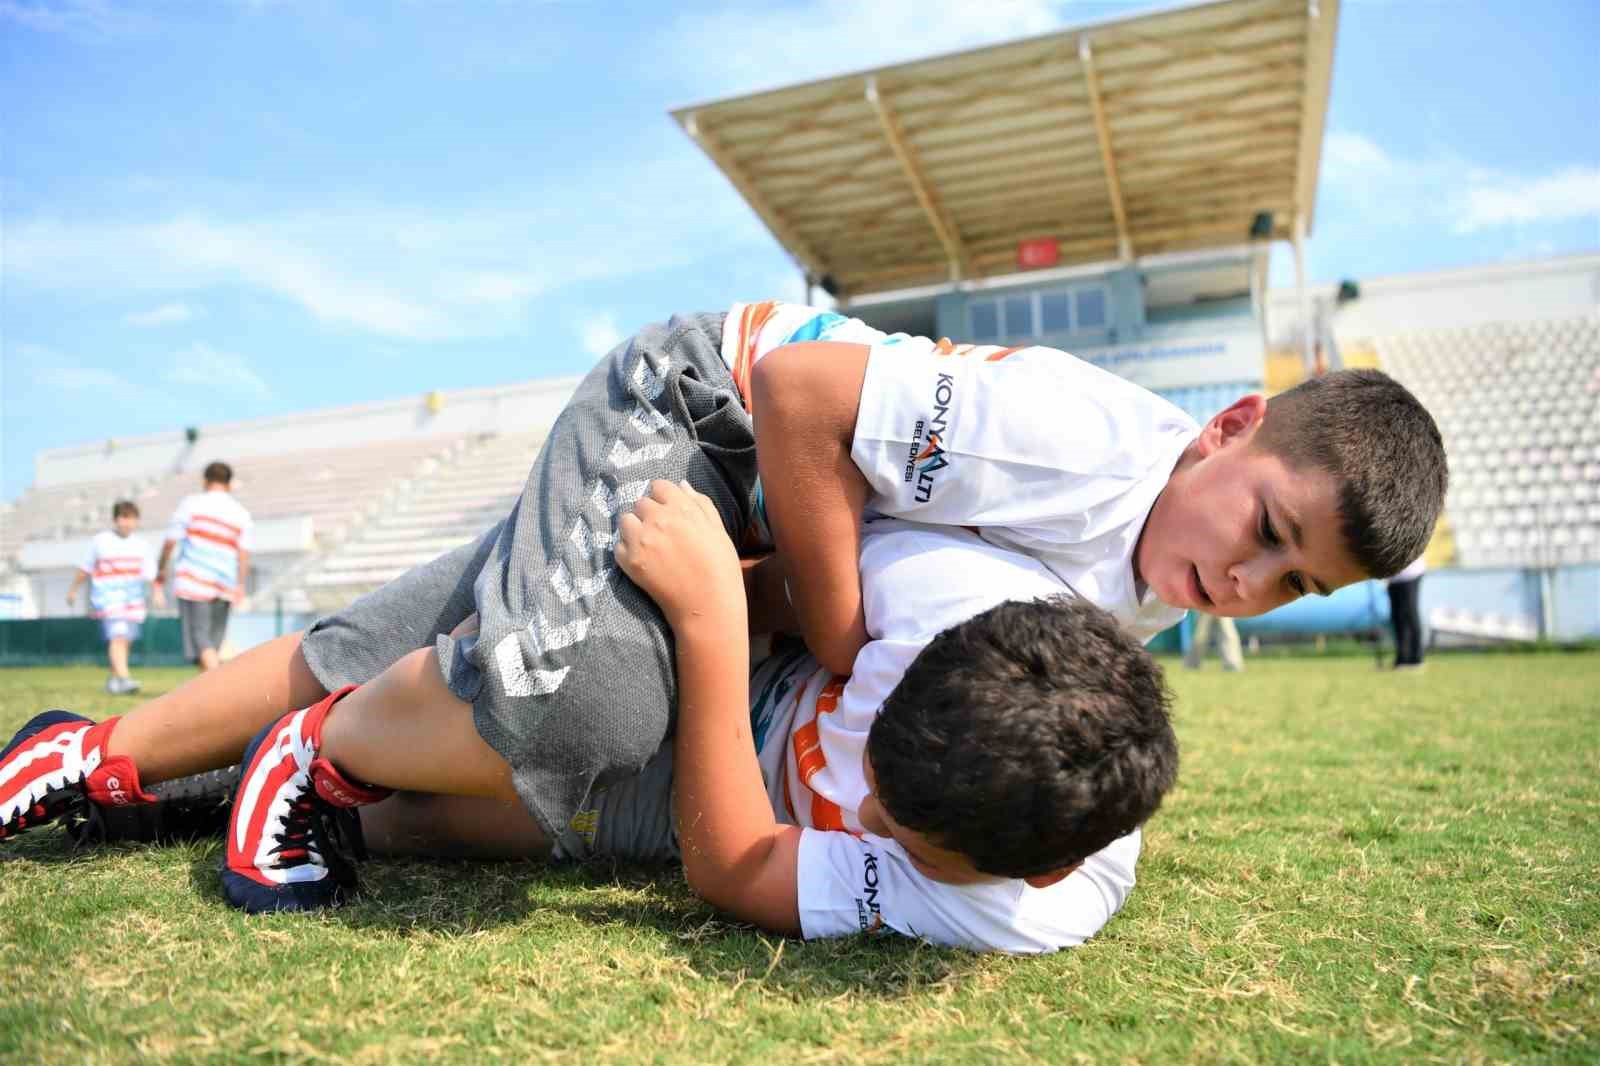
571,674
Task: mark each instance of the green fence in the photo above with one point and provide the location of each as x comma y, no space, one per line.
55,641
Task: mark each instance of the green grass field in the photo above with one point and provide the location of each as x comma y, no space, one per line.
1356,867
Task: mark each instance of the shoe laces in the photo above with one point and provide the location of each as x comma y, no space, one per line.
313,832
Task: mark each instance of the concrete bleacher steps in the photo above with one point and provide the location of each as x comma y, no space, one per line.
1518,405
66,511
305,502
451,504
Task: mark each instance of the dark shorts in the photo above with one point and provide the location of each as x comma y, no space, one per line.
205,623
571,673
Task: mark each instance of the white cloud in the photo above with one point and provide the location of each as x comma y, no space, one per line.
401,273
1572,193
82,18
165,315
600,334
830,37
52,369
200,364
1448,191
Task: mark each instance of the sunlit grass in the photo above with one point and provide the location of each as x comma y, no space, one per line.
1357,866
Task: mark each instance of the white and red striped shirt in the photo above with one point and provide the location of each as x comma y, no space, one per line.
210,529
118,568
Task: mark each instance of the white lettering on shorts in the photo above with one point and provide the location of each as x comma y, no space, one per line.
586,540
623,456
516,678
569,589
548,637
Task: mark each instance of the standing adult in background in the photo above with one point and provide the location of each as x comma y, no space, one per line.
211,532
1405,590
1227,642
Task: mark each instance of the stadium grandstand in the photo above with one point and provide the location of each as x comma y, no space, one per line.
389,485
1152,165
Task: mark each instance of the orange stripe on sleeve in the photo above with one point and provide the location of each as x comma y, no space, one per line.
751,323
811,760
995,357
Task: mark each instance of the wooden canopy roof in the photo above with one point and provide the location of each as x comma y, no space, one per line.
1159,133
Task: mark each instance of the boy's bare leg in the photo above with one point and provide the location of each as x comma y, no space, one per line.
209,660
206,722
403,730
406,730
452,827
117,654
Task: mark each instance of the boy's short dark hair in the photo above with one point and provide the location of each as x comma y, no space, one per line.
1383,448
1026,738
124,507
218,474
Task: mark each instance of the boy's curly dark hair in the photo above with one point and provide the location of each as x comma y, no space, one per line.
1381,446
1026,738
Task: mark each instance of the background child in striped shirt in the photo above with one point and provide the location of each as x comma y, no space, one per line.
117,568
211,535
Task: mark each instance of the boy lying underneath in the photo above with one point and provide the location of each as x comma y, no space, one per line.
1005,776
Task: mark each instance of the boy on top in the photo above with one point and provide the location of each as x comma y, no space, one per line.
211,534
1116,492
117,568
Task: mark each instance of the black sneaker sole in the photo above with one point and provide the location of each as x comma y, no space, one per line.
186,808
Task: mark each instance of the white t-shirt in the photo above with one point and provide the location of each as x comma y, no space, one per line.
811,730
210,528
1039,451
118,568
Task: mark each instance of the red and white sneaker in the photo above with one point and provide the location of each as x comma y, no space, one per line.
55,764
284,837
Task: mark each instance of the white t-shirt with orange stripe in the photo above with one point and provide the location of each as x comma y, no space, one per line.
1037,450
210,529
118,568
811,731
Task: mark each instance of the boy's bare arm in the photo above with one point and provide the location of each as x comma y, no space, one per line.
806,398
77,583
735,854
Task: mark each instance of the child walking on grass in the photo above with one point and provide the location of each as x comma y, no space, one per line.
117,569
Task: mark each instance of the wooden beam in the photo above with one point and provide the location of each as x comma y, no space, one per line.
780,229
926,195
1103,133
1320,30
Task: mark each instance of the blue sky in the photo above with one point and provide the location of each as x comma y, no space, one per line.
214,211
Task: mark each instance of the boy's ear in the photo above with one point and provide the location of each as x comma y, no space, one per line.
1234,424
1046,880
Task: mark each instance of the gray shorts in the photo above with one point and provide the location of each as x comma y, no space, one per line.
630,820
205,623
633,819
571,673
